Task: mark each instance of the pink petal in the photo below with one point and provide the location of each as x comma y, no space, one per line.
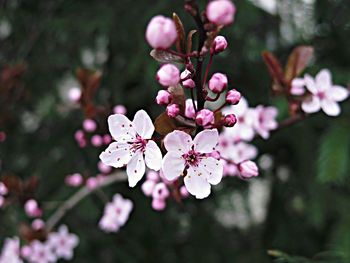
330,107
135,169
324,80
246,132
178,141
206,140
196,184
173,166
212,169
298,86
116,155
143,124
337,93
310,84
121,128
153,156
311,105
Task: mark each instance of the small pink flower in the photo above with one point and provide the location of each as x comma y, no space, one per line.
161,32
219,44
205,118
163,97
324,95
221,12
158,204
298,87
119,109
218,83
10,251
32,209
173,110
89,125
233,97
230,120
168,75
189,109
189,158
147,187
63,243
160,191
265,120
74,180
248,169
133,147
96,140
41,253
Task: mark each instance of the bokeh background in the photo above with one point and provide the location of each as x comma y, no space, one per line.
299,204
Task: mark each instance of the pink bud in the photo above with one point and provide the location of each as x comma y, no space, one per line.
205,117
163,97
189,83
183,191
230,120
152,175
79,135
221,12
96,140
173,110
119,109
107,139
233,97
218,82
161,32
160,191
189,109
32,209
89,125
3,189
230,169
2,136
104,168
248,169
74,180
74,94
147,187
158,204
38,224
168,75
92,183
219,44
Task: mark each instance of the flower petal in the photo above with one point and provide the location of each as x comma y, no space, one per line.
135,168
212,169
121,128
116,155
178,141
196,184
206,140
323,80
311,105
143,124
153,156
330,107
310,84
173,166
337,93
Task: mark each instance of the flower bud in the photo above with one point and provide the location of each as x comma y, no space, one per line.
218,83
233,97
32,209
147,187
183,191
3,189
152,176
229,120
205,117
74,94
188,83
158,204
248,169
163,97
89,125
189,109
103,168
219,44
74,180
160,191
119,109
161,32
107,139
173,110
96,140
168,75
221,12
38,224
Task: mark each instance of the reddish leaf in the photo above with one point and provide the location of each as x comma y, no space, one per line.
180,41
164,124
29,234
297,61
189,41
164,56
275,70
178,96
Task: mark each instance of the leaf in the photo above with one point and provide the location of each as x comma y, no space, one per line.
297,61
164,56
275,70
334,154
189,41
164,124
180,41
178,96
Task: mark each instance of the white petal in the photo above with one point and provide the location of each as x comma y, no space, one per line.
116,155
196,184
311,105
337,93
135,169
178,141
153,156
246,132
121,128
324,80
143,124
310,84
212,169
240,108
330,107
173,166
298,86
206,140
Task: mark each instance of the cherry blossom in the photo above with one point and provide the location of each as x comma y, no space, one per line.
10,251
63,243
41,253
265,120
189,158
133,146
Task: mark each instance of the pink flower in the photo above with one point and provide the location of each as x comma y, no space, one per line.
160,191
205,118
324,95
219,44
221,12
229,120
297,86
265,120
187,82
116,213
41,253
173,110
63,243
168,75
10,251
158,204
89,125
133,147
74,180
119,109
189,109
163,97
32,209
233,97
218,83
248,169
187,157
161,32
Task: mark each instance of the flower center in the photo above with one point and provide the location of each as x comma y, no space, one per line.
139,144
192,158
321,95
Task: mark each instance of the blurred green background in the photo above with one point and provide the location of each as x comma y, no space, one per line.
299,206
